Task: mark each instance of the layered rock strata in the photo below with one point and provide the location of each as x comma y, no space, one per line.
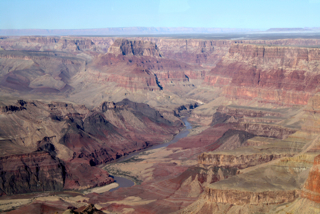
253,198
284,75
241,162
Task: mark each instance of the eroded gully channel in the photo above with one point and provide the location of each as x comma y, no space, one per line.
124,182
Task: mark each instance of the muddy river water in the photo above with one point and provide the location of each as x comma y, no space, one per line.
124,182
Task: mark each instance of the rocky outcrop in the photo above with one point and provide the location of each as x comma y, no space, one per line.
13,108
89,209
254,198
185,109
311,189
265,130
246,120
207,174
238,111
134,47
241,161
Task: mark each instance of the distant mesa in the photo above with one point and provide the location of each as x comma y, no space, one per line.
288,29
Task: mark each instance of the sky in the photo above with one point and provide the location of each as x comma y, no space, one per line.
85,14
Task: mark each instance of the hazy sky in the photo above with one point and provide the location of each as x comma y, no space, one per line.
79,14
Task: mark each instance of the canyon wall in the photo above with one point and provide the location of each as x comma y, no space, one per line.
283,75
244,69
195,51
55,146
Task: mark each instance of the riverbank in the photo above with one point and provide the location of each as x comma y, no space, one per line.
127,177
125,172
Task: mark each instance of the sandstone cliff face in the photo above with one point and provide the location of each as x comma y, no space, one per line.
272,74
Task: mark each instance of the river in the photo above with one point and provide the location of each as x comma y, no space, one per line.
124,182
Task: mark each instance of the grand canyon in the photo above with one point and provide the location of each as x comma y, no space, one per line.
160,124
